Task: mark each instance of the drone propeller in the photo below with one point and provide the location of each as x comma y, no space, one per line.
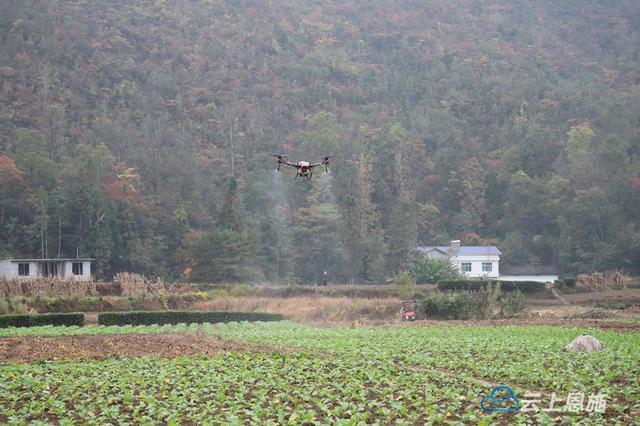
279,157
326,163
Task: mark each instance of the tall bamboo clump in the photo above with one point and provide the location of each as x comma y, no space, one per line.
47,286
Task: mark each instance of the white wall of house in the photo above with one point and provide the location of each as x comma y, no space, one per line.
86,271
477,268
66,270
479,262
9,269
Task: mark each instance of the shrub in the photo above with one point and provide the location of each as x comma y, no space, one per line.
569,282
42,319
107,289
475,285
196,296
407,284
485,300
426,270
447,305
4,307
13,306
176,317
486,303
612,304
404,278
116,303
146,303
513,304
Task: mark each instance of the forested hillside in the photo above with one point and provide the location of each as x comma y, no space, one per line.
139,133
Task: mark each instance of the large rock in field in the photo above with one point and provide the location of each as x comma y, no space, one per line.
584,343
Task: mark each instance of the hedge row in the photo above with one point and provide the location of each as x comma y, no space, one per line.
42,319
524,286
566,282
176,317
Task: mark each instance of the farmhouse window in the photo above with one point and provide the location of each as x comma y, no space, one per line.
487,266
23,269
76,267
466,267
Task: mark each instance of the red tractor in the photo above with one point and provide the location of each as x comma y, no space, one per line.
408,310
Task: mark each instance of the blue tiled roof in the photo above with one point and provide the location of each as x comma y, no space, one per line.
466,250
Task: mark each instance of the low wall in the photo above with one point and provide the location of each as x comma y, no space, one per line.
537,278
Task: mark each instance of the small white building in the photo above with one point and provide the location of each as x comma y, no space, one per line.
78,269
471,261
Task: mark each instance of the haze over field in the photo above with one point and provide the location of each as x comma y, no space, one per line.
139,133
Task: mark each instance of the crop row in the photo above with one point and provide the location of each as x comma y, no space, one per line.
525,358
256,388
50,330
337,375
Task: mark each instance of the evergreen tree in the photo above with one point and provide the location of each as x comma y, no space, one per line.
316,236
223,253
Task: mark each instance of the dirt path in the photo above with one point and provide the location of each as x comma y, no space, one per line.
558,296
28,349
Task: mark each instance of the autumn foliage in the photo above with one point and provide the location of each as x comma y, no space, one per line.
510,123
123,185
9,174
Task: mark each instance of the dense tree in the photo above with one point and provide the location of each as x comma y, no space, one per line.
121,125
224,252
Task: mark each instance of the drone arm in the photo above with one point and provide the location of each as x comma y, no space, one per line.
290,164
324,163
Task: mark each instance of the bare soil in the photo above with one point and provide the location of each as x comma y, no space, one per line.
631,295
600,324
28,349
309,308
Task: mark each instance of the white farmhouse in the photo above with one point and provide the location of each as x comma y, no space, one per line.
26,269
472,261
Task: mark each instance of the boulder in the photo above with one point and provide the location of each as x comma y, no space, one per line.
584,343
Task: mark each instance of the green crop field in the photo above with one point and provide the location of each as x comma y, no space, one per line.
309,375
52,331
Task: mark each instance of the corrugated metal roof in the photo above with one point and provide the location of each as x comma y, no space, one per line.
429,248
465,250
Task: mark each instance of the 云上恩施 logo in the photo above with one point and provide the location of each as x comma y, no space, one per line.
501,399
